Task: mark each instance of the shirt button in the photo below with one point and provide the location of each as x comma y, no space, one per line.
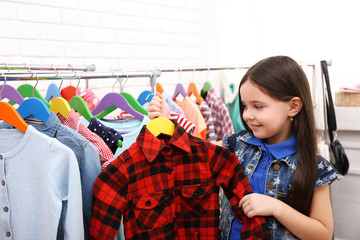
250,168
271,186
8,234
276,167
169,171
196,193
3,182
1,157
6,209
166,149
148,203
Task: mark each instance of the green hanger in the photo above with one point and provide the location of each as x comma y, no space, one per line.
26,90
207,86
79,105
132,102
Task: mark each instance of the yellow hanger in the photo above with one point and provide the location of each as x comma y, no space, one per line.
161,125
60,105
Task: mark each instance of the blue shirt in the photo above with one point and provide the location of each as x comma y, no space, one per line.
257,182
38,174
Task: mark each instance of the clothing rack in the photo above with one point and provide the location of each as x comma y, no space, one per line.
31,67
9,76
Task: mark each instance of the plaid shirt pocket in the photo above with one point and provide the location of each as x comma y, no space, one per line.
196,199
150,211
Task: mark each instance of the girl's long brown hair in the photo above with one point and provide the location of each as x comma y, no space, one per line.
282,78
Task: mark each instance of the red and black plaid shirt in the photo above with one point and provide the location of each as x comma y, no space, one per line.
168,188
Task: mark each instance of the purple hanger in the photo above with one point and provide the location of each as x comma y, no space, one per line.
117,100
179,90
11,93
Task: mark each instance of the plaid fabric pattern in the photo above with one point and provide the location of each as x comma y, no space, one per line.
168,188
222,121
209,120
73,122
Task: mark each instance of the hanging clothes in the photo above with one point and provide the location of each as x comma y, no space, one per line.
87,156
73,121
108,134
169,188
40,183
209,120
222,120
193,113
172,105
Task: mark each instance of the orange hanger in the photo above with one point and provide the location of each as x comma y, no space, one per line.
159,88
9,114
193,90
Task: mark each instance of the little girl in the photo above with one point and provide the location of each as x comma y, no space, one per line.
278,154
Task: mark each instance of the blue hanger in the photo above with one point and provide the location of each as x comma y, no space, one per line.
36,107
52,92
117,100
179,90
145,97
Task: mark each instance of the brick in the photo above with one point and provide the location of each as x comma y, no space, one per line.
41,48
83,50
100,35
81,18
116,21
7,10
130,8
33,13
19,30
9,47
60,32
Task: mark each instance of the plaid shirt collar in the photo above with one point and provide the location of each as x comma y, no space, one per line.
151,146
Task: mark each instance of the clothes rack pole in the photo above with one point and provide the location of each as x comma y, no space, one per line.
68,67
83,75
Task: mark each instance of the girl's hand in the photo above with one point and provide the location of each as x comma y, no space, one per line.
158,107
255,204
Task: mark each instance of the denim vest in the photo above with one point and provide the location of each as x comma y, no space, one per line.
278,180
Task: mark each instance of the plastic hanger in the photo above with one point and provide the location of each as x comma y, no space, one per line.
79,105
27,90
60,105
10,92
159,88
52,92
115,100
35,107
193,90
145,97
179,89
207,86
9,114
69,91
161,125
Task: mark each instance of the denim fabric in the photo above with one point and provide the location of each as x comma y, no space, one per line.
38,174
281,178
86,154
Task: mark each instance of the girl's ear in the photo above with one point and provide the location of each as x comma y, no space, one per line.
295,105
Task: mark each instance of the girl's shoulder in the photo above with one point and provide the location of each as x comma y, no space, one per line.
326,173
231,141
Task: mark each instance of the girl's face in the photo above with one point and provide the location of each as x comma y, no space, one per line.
267,117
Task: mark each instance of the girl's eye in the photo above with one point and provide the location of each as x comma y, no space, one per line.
258,106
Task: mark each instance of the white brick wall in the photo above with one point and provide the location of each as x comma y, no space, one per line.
112,34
